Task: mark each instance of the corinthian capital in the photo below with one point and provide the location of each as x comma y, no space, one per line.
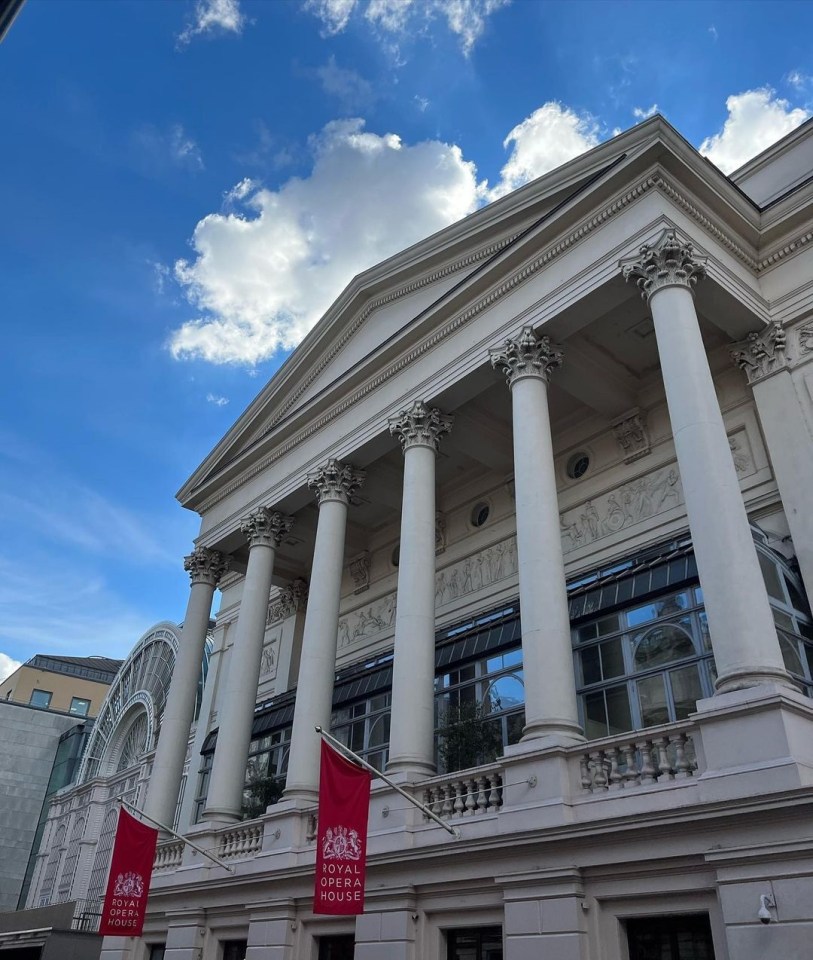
420,426
526,355
266,527
669,262
761,353
336,481
205,566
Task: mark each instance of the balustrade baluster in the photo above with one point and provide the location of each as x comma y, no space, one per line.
631,773
459,806
647,769
494,798
446,808
586,776
664,766
683,767
616,778
482,803
599,773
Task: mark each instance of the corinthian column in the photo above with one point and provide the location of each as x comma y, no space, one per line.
264,530
205,568
412,726
550,688
743,635
334,483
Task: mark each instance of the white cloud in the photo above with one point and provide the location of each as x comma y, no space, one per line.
798,80
466,19
216,400
756,119
641,114
262,279
334,14
183,148
212,17
549,137
349,87
160,149
421,102
7,666
714,33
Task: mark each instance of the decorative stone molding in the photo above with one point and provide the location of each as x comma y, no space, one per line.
741,453
806,338
206,566
360,572
268,664
440,532
290,600
420,426
762,352
336,481
526,355
481,569
369,621
266,527
631,434
668,262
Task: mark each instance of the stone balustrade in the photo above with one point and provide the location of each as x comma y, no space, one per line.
168,855
464,795
639,758
241,842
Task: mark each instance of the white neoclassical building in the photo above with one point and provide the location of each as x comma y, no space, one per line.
527,519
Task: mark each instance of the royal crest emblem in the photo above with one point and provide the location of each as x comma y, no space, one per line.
129,885
341,844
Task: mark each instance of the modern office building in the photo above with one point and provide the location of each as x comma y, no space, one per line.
74,685
527,519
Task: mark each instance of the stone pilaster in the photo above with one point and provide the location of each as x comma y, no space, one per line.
334,484
205,568
264,529
528,360
412,739
743,635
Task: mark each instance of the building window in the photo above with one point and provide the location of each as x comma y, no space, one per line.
265,772
479,709
364,727
79,706
645,665
235,949
157,951
474,943
578,465
479,514
670,938
41,699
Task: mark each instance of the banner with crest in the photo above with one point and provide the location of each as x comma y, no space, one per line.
341,845
128,883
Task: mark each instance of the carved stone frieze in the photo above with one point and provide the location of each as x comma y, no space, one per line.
668,262
626,506
761,352
440,533
741,453
205,566
336,481
360,572
266,527
631,434
289,601
420,425
369,621
526,355
268,664
481,569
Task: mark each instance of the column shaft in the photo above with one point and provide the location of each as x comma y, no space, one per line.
743,634
314,691
550,691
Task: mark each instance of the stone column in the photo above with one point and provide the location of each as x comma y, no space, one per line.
762,356
335,483
743,635
205,568
412,727
550,687
264,529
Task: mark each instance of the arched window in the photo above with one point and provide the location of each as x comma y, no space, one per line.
71,860
48,880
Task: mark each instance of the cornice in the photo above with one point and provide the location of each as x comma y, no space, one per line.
790,247
653,181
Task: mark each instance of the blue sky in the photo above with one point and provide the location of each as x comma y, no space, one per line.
187,185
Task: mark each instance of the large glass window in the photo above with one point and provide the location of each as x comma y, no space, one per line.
265,771
41,698
474,943
364,727
479,709
646,665
80,706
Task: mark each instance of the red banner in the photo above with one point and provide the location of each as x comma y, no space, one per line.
128,883
341,845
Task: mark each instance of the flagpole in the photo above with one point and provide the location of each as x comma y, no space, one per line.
163,826
417,803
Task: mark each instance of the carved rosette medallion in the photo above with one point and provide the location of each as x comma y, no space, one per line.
526,355
205,566
761,352
420,426
266,527
669,262
336,481
631,434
